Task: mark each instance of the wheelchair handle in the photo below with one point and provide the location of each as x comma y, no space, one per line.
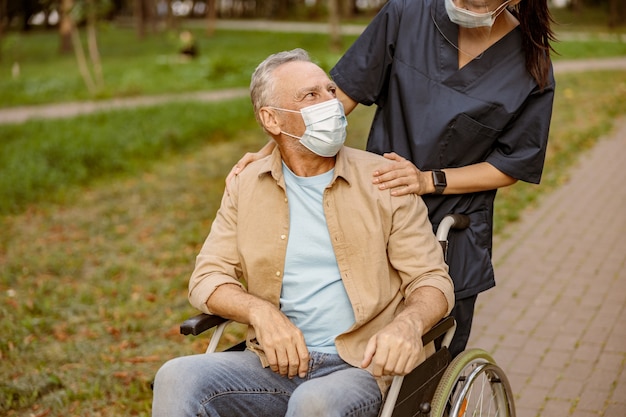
451,221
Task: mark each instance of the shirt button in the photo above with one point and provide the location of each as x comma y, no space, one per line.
283,237
277,273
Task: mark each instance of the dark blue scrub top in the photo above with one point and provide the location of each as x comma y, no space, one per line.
438,116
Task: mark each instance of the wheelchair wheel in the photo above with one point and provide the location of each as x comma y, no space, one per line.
473,385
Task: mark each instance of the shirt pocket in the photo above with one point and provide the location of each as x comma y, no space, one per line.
466,141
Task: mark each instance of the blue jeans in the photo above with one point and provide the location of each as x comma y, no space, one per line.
235,384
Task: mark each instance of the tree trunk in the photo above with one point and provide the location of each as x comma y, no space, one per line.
333,21
139,19
92,42
348,8
617,13
282,10
3,22
81,60
65,27
211,16
90,69
170,21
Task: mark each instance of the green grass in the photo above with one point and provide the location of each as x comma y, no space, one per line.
94,264
596,46
141,67
41,159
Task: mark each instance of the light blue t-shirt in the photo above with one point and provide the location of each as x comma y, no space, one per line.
313,295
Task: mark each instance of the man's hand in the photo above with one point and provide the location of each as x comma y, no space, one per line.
402,177
395,350
282,342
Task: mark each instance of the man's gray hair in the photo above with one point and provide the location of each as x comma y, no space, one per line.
262,83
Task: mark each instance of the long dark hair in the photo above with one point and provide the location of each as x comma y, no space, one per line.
535,21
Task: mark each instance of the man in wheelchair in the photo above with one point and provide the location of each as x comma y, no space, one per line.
337,280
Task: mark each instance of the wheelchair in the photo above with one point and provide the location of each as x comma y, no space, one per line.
472,384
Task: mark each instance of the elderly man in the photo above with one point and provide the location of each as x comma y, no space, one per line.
336,280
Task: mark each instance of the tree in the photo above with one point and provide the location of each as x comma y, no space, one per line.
144,15
65,26
348,8
4,20
617,13
211,15
90,69
334,23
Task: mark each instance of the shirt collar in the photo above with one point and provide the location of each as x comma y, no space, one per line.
273,166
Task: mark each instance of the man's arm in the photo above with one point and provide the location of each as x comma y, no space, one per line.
282,342
396,349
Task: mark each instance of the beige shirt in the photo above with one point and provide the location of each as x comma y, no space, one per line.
384,245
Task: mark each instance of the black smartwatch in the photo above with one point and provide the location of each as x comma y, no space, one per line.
439,179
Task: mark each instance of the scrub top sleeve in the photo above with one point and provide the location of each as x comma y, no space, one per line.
363,71
521,149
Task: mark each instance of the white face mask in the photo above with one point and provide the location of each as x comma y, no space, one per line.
469,19
325,131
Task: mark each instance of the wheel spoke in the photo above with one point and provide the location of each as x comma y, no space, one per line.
473,386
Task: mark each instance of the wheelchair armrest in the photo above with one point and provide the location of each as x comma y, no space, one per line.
438,330
200,323
203,322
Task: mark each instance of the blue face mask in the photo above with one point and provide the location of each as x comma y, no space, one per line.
469,19
325,131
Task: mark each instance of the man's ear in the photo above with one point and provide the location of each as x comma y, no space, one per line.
269,121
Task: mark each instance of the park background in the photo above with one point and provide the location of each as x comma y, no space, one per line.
101,215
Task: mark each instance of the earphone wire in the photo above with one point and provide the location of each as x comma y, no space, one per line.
479,56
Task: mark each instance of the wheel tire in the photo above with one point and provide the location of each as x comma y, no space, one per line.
450,388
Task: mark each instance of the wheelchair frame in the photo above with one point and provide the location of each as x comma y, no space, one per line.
471,384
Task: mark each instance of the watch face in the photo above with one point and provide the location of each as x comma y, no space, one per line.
439,178
439,181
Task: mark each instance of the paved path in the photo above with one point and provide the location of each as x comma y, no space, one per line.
556,321
71,109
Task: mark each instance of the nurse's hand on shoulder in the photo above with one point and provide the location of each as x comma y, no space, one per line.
401,176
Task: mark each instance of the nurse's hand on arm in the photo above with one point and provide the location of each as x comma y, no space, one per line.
282,342
403,177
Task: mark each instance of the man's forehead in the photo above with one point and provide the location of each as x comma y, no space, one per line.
297,75
299,68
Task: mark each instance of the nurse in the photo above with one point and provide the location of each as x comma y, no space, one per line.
464,92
